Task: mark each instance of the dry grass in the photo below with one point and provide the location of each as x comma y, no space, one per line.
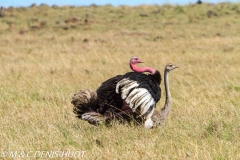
43,65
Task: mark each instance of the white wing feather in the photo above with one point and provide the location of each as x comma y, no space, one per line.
136,97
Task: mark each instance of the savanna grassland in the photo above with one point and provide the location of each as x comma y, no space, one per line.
48,53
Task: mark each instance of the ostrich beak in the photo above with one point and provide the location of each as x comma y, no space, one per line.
174,67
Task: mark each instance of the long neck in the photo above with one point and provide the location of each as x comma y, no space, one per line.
142,69
168,101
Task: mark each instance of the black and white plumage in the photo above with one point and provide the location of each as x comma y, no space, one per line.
135,90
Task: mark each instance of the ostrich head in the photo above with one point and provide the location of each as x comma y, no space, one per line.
135,60
169,67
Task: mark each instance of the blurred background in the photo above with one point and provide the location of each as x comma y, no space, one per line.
26,3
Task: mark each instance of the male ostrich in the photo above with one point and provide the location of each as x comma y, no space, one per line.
124,94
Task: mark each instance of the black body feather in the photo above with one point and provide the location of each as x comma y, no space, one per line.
110,100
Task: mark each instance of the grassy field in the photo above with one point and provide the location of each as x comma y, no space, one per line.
48,53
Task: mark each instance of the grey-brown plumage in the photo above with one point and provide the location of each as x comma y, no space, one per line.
159,117
84,101
86,107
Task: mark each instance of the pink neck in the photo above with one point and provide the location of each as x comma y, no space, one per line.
143,69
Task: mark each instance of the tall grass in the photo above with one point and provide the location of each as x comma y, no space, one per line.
42,66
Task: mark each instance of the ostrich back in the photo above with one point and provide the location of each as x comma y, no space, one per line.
109,99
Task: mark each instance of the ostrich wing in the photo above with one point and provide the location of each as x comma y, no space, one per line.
140,91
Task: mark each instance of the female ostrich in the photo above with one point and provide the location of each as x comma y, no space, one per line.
159,117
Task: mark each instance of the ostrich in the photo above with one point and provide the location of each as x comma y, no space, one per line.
159,117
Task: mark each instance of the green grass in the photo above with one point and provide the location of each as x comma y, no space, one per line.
41,67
